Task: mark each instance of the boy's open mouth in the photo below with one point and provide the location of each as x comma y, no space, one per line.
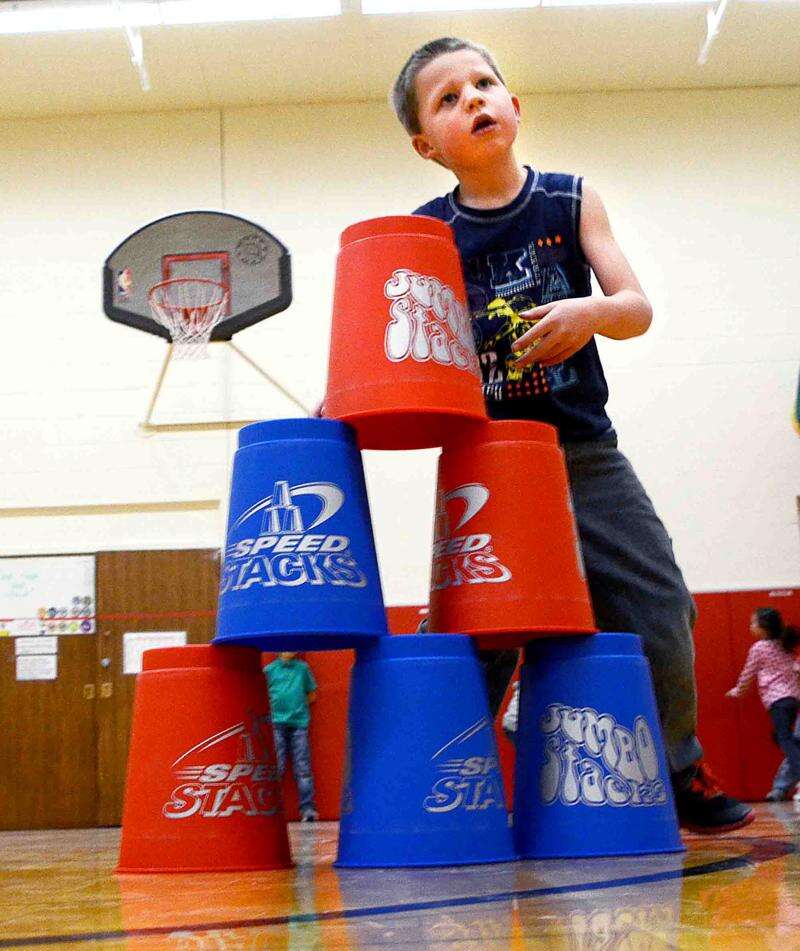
482,123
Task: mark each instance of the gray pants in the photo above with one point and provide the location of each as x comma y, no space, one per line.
635,584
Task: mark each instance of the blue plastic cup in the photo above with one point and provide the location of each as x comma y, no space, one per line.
591,772
300,570
422,785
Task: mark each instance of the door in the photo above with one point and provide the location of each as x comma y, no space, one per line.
141,591
48,740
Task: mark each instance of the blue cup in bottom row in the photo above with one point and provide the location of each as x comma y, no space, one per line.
591,771
422,784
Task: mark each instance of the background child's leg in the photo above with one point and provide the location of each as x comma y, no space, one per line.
783,714
782,782
301,764
499,668
635,584
279,732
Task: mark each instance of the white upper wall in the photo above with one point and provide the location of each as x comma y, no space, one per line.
698,185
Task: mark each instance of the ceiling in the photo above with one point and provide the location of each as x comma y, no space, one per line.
355,57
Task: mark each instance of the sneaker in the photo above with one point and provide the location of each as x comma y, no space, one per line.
702,806
310,815
777,795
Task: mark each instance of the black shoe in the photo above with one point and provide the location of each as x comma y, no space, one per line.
702,806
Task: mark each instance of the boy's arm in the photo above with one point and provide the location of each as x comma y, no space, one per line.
565,326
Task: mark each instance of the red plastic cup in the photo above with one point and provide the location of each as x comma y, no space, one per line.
506,565
202,791
403,370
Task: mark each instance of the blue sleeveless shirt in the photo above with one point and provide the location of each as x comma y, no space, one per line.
515,258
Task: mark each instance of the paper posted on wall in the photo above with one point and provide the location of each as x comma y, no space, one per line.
135,643
37,666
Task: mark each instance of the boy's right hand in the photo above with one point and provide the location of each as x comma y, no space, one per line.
319,410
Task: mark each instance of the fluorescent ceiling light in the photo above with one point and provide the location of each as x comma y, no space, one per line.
439,6
55,17
619,3
33,17
238,11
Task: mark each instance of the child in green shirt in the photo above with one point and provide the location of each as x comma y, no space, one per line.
292,689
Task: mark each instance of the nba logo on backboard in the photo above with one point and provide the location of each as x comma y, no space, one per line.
124,282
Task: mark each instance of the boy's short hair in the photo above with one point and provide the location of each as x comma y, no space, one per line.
403,96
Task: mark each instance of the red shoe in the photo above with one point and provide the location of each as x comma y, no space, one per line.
703,807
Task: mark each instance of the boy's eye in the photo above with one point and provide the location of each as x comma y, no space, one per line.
483,83
449,97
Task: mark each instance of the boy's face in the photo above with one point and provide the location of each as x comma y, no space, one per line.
286,656
467,116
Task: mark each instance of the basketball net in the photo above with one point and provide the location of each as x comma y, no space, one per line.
190,308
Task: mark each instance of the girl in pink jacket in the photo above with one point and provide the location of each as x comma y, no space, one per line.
771,662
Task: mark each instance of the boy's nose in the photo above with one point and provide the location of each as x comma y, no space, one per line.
475,98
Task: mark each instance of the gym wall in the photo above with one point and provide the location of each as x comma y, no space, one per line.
696,186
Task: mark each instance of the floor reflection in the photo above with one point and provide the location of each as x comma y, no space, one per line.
742,890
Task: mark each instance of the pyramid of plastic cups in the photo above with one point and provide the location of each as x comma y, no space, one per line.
403,370
506,563
422,785
202,791
300,570
591,771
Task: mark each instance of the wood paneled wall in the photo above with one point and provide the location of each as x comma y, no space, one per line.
64,743
63,749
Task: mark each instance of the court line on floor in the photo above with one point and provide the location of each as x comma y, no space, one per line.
764,851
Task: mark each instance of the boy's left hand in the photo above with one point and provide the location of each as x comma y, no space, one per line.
564,326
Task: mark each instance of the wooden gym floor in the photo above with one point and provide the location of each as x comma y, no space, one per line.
58,889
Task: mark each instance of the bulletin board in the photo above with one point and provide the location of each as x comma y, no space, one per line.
47,595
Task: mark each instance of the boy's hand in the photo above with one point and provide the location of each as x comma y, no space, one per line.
564,326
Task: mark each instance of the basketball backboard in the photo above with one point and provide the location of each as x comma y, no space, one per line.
249,262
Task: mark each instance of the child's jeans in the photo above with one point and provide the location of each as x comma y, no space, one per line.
783,781
294,740
635,586
783,714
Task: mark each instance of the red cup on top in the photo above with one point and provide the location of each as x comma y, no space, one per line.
506,564
403,370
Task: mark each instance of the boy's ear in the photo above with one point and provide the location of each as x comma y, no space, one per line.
515,104
423,147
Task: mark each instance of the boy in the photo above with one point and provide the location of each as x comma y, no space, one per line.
528,240
291,689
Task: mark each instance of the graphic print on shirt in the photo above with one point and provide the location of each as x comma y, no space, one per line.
501,287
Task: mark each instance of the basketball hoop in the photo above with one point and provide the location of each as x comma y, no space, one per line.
190,308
